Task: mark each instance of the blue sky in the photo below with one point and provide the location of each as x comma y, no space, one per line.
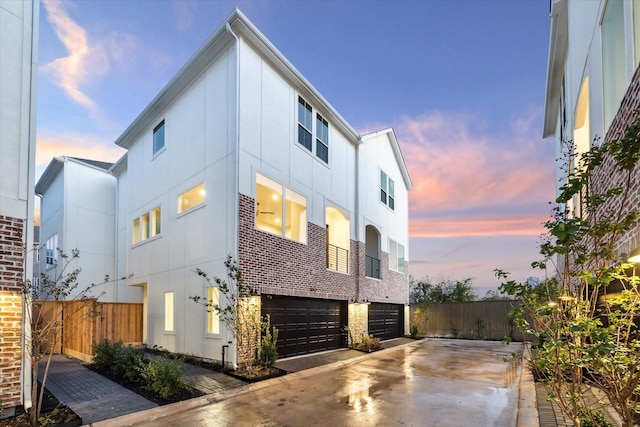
461,82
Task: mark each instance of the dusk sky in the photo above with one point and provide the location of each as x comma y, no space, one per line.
461,82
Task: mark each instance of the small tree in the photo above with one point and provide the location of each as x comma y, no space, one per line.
240,314
42,332
585,315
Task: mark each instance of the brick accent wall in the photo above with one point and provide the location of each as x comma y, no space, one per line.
604,178
275,265
11,272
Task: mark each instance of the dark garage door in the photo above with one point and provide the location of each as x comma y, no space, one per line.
305,325
386,321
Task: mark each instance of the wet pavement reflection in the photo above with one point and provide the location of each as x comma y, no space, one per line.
433,382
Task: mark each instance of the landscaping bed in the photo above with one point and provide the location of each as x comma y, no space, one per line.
52,414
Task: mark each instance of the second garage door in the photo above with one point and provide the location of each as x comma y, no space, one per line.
386,321
305,325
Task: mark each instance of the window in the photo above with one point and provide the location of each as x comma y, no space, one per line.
304,123
387,192
322,139
213,319
146,226
191,198
613,59
306,131
51,248
280,210
158,137
168,311
396,256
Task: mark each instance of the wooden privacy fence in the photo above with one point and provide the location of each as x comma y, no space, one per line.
83,323
485,320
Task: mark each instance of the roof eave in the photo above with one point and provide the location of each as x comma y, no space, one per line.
558,43
46,179
395,146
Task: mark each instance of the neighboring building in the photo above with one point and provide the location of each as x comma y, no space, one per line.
593,85
18,63
239,155
78,209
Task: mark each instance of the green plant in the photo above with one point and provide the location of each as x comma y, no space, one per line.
269,348
369,343
106,353
129,362
413,330
240,315
594,418
164,377
584,317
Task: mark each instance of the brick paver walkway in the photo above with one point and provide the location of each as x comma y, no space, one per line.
90,395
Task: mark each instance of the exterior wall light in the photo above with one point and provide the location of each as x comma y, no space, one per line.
634,256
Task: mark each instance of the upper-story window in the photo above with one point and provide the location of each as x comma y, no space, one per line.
387,192
306,131
396,256
51,248
191,198
158,137
280,210
146,226
613,59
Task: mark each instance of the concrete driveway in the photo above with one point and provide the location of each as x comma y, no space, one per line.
434,382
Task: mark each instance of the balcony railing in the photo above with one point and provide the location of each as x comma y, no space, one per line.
371,267
337,258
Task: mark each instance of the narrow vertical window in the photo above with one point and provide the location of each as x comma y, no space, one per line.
145,226
304,123
296,217
155,221
168,311
383,187
135,231
391,195
213,320
393,255
613,59
158,137
322,139
401,258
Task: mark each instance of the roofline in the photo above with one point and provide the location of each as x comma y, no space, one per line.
203,57
558,43
54,168
119,165
395,146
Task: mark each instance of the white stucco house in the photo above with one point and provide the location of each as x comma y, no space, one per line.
18,70
239,155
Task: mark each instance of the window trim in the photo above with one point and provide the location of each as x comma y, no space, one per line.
194,207
400,266
156,152
152,226
284,199
172,312
315,137
387,190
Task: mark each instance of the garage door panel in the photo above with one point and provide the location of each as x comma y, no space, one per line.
386,321
305,325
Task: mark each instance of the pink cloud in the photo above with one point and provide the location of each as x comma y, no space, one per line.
468,182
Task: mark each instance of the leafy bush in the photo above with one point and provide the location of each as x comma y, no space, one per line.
268,348
129,362
413,330
164,377
106,353
369,343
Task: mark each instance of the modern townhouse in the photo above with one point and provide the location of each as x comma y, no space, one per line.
239,155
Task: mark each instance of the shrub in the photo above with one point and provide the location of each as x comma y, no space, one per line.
268,348
164,377
369,343
413,330
130,362
106,353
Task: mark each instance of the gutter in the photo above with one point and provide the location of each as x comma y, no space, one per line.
236,184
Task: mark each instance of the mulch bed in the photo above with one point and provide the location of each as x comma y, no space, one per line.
53,413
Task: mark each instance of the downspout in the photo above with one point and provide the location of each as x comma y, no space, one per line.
29,223
357,195
236,184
